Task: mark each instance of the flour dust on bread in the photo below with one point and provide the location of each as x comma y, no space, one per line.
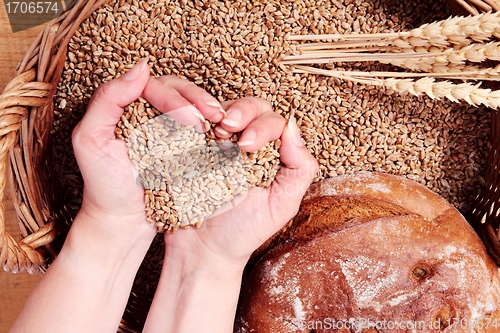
369,253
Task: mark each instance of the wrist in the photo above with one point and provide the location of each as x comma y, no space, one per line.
192,272
195,286
105,245
119,231
92,276
197,260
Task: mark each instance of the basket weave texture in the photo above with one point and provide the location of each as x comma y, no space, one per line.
474,7
26,117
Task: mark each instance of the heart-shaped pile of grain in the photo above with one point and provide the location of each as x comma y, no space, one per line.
187,173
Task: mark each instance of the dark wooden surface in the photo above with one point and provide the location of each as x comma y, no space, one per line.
14,288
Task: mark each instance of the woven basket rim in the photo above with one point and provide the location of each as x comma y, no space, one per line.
27,97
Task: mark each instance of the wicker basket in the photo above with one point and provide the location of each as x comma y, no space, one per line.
474,7
26,111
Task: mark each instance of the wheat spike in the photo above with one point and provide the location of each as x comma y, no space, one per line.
458,72
474,53
457,30
441,49
468,92
450,60
419,58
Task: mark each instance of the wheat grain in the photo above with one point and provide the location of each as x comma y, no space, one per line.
169,157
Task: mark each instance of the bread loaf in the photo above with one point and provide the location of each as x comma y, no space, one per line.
372,252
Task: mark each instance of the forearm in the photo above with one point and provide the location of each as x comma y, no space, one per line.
86,288
195,297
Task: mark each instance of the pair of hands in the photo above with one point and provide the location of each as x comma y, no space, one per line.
113,206
110,181
87,287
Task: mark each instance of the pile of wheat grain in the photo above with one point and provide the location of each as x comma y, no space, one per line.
233,49
185,172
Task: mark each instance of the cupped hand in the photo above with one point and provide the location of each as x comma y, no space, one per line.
200,280
113,203
236,233
111,188
113,200
231,236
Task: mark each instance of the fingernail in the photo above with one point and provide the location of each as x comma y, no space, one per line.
295,132
196,113
233,118
221,130
247,138
136,71
216,104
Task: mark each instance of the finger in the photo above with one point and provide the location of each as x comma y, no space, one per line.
168,93
243,111
299,170
168,100
263,129
206,103
106,106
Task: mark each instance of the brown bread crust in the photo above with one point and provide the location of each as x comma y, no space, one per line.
376,249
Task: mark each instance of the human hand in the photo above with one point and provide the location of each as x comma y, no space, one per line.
237,232
111,190
113,203
233,235
87,287
110,235
202,268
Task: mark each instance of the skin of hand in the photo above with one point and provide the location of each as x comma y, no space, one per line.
87,286
201,277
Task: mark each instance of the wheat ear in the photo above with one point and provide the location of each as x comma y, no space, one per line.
450,60
454,73
408,59
470,93
457,30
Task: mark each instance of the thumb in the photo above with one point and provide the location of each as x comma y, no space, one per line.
299,170
106,106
